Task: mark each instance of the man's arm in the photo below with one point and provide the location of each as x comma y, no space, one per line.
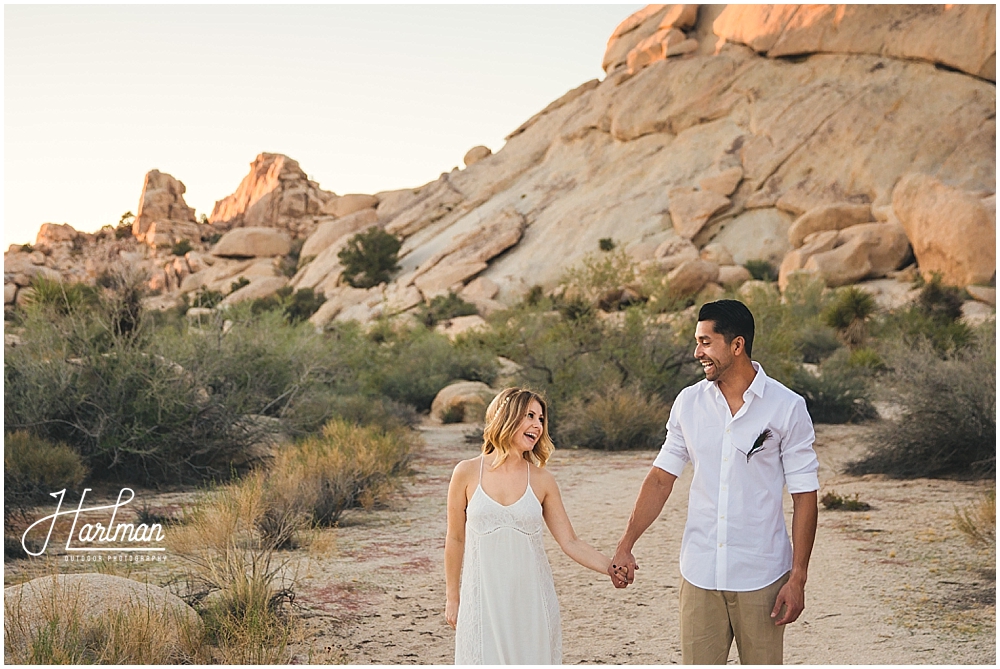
793,594
652,496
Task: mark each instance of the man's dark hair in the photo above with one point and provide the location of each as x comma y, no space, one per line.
731,319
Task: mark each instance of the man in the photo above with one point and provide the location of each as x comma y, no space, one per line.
747,436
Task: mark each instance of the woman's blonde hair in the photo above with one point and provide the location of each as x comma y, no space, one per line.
504,415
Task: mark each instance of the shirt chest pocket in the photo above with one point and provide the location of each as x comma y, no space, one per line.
762,450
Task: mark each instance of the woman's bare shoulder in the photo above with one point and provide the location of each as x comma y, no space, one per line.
466,468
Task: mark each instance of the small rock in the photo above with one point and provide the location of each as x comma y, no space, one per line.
733,276
464,400
723,183
691,276
717,253
475,154
983,294
690,209
827,217
255,242
459,325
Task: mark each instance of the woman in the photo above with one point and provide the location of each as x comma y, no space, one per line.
506,611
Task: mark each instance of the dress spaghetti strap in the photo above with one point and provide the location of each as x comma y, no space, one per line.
482,459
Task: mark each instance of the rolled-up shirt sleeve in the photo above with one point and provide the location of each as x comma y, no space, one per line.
798,459
673,454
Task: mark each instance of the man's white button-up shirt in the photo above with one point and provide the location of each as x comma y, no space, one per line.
735,538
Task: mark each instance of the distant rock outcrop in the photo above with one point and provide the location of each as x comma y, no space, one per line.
276,194
163,217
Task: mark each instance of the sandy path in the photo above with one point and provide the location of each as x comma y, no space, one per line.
896,585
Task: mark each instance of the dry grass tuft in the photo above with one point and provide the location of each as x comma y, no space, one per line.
978,520
62,630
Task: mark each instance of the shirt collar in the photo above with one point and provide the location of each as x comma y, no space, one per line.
756,386
759,381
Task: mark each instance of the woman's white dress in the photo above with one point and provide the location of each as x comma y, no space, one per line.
508,612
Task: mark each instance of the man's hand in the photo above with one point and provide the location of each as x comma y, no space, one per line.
792,596
622,569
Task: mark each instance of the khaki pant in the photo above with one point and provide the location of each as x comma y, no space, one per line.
711,619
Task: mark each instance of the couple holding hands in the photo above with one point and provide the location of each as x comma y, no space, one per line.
747,437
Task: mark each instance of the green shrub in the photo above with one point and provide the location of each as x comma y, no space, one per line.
839,393
606,244
848,314
940,301
596,275
816,342
206,299
124,228
835,502
413,365
948,425
761,270
62,297
240,282
369,258
616,419
27,248
295,307
443,307
181,247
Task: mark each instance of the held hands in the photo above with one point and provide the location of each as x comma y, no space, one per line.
622,568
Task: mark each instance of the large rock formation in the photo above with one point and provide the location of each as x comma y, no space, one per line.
276,194
836,140
163,217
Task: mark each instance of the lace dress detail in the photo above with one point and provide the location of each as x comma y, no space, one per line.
508,611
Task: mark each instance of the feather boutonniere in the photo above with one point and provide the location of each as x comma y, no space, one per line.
758,444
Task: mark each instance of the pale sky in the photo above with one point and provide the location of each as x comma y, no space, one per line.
366,98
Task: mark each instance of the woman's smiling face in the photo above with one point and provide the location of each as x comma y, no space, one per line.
529,431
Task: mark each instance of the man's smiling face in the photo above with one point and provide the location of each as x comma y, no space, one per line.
712,351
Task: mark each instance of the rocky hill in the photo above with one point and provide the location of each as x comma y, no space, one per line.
851,142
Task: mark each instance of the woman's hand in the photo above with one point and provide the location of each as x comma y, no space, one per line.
451,612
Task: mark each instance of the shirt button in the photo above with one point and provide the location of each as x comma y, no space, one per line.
725,459
720,545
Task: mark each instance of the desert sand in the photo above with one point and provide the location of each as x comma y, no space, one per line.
894,585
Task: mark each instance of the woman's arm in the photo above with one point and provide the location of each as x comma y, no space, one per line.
562,529
454,544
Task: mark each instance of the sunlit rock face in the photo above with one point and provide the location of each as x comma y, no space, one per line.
842,141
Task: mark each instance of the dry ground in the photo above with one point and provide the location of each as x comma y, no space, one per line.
894,585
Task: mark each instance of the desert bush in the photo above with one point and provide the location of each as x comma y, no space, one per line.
596,275
411,366
948,426
606,244
838,393
296,306
206,299
443,307
567,357
940,301
835,502
616,419
848,314
761,270
978,520
34,467
240,282
63,298
124,228
344,467
223,543
181,247
369,258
